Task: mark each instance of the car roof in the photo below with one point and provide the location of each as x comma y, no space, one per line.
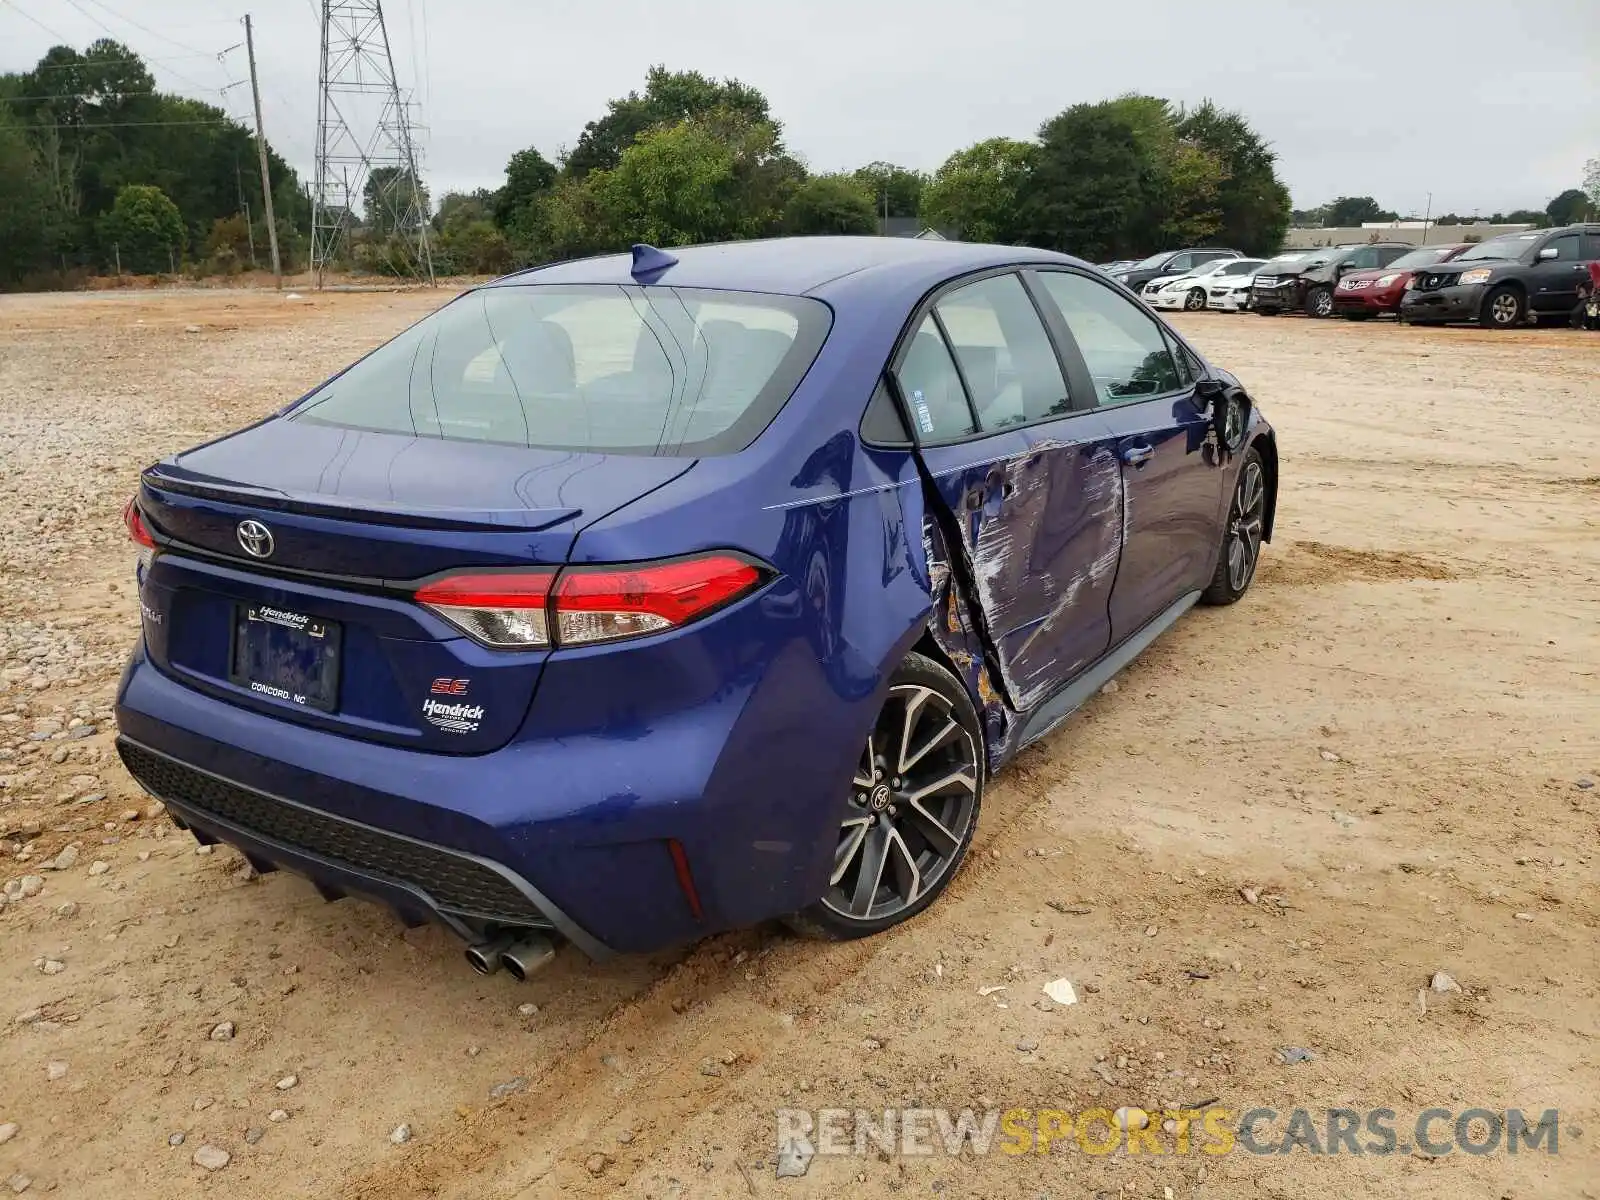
796,266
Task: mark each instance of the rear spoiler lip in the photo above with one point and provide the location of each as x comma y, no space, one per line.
168,476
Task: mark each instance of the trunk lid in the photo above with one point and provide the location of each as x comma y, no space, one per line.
320,628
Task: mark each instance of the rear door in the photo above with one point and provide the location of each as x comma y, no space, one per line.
1030,486
1143,381
1554,281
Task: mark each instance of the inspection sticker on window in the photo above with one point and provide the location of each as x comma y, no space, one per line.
924,413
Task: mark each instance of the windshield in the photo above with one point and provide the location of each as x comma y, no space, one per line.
1510,245
1284,260
1425,257
1240,266
1155,260
631,370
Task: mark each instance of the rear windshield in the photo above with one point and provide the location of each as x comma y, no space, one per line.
604,368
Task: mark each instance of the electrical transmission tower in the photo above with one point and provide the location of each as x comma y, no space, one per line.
366,153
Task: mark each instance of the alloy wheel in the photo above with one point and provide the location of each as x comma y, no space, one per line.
1244,525
1195,300
1504,309
1322,303
912,803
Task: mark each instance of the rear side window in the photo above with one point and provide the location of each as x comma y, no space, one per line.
630,370
1123,347
1006,358
932,387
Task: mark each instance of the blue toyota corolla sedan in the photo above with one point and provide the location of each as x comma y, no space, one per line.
630,599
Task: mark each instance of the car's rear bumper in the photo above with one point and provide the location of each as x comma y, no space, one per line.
1458,303
583,833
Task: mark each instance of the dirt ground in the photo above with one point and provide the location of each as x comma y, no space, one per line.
1393,742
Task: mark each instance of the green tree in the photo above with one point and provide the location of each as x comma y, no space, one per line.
387,196
474,247
1348,211
1252,203
711,178
29,212
1083,194
827,204
1525,216
1570,207
529,175
460,208
900,188
145,228
975,192
669,97
1591,184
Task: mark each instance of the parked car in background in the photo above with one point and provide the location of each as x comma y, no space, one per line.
1116,266
1363,294
1306,283
634,598
1188,292
1171,262
1500,283
1230,292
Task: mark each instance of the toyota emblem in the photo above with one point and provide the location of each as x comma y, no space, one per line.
256,539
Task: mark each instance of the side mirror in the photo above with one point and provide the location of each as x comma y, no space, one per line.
1230,412
1548,253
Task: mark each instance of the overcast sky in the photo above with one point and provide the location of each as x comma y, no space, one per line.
1487,105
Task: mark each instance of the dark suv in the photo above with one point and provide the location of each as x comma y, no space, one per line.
1305,279
1171,262
1502,282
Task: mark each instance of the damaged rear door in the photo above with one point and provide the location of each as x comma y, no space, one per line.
1030,486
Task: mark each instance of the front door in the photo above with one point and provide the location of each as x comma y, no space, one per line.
1172,483
1555,280
1031,487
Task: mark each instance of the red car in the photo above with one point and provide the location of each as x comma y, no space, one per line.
1363,294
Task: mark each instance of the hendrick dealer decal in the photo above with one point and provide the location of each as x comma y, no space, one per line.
452,718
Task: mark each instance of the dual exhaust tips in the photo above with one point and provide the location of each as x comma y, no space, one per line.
520,957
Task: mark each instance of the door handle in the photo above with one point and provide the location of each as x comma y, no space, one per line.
1137,456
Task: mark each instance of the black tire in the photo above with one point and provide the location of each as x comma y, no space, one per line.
1241,534
1266,312
1195,301
1355,314
1319,302
920,832
1505,307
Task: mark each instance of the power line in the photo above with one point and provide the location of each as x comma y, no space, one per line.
216,124
100,62
170,70
130,21
29,16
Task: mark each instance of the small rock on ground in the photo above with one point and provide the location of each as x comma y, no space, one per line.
212,1158
598,1163
287,1082
176,1139
19,1183
277,1116
8,1131
254,1134
509,1088
222,1032
793,1161
56,1070
400,1135
1442,982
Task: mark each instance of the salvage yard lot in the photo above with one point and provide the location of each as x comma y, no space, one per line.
1388,743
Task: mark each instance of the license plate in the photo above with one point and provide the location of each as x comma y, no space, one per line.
286,655
1267,281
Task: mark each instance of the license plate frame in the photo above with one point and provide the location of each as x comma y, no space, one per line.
287,656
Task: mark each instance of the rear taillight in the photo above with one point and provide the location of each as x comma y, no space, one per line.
134,520
505,609
583,606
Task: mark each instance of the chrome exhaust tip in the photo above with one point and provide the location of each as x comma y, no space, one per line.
527,956
484,958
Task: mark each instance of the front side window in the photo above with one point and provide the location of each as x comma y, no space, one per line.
1005,354
603,368
1181,263
1124,347
932,387
1565,246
